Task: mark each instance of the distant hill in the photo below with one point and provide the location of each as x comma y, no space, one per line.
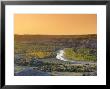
32,37
88,41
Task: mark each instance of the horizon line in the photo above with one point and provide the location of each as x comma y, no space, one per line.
55,34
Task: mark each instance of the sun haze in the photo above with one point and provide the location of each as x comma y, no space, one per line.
55,24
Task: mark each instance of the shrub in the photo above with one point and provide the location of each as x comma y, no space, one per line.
81,54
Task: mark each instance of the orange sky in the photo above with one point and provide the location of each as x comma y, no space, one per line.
55,24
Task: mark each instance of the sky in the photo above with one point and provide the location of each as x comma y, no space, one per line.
55,24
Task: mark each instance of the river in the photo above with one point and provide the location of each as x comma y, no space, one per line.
60,55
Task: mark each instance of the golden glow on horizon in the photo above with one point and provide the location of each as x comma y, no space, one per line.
55,24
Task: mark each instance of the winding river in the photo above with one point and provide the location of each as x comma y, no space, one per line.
60,55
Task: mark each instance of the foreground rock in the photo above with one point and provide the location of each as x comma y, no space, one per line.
90,74
31,72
